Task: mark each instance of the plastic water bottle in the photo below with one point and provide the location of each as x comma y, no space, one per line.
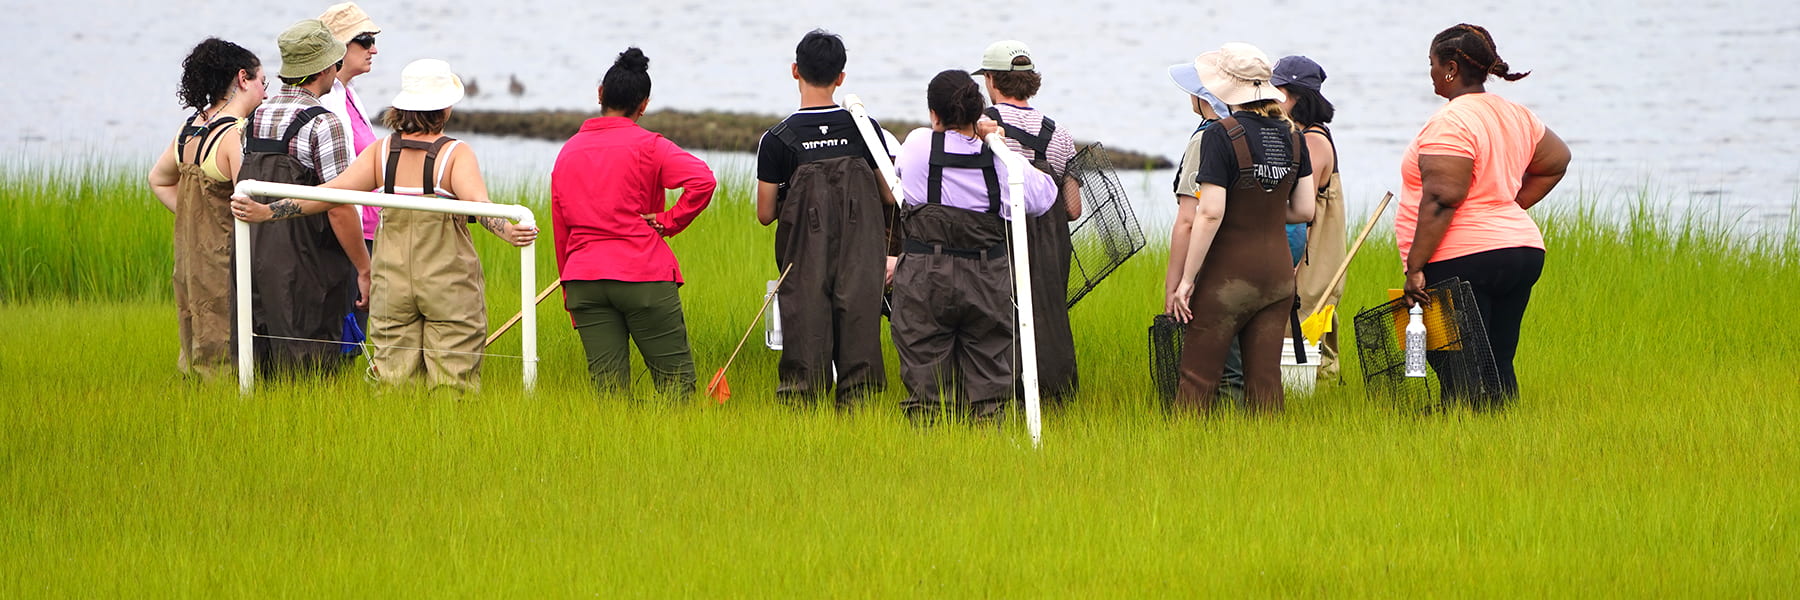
1415,342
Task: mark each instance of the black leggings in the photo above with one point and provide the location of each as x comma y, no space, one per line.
1502,281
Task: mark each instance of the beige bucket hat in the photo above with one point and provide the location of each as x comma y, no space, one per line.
347,20
1238,73
307,48
427,84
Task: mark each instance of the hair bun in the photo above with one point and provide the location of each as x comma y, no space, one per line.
633,59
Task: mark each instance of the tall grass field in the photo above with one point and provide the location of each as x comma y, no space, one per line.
1655,450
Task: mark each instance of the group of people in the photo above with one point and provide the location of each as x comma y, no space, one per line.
325,273
1259,231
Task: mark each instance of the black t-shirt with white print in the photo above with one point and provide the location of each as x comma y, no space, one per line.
1272,152
811,134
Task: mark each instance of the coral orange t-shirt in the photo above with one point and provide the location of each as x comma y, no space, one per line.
1500,136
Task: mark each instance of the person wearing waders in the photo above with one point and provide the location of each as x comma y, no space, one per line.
610,210
1187,199
223,83
1012,79
953,289
356,31
1238,280
1326,249
817,180
428,313
306,271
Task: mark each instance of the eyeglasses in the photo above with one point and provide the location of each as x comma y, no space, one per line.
366,40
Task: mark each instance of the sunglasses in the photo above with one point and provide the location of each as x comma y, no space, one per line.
366,40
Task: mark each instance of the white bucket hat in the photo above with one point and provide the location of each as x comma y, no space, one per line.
427,84
1238,74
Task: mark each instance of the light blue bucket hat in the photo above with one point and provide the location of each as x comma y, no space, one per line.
1188,79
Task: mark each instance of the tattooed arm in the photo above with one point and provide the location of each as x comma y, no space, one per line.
466,183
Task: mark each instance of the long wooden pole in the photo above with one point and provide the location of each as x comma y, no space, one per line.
767,298
1345,268
521,314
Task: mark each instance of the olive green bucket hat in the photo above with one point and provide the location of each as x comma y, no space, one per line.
307,48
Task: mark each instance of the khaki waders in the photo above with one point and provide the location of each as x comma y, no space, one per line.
203,259
427,312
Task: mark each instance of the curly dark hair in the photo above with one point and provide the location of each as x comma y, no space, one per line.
208,72
1471,47
955,98
627,83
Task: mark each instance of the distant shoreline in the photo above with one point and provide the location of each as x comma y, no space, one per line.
694,130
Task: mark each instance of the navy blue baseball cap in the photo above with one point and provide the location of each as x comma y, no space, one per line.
1300,71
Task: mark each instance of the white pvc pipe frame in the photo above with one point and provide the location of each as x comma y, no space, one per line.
511,212
1021,256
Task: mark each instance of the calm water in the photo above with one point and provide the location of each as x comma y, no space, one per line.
1691,101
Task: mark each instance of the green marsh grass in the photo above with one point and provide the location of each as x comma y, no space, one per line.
1653,453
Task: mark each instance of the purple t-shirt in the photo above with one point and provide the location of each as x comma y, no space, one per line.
965,188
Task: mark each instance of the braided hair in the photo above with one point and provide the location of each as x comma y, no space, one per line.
955,98
209,71
1473,49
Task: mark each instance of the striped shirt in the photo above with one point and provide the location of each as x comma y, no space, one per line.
1062,145
320,145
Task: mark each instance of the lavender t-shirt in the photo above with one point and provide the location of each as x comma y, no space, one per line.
964,188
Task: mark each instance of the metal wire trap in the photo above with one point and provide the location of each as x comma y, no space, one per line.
1108,232
1462,368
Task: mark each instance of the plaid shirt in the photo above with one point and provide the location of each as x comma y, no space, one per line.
320,145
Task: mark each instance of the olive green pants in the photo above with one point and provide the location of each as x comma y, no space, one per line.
610,314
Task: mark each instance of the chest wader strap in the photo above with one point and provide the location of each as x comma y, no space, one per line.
1240,147
280,146
934,186
1038,144
428,184
210,134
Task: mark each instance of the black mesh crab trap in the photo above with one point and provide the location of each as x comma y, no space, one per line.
1461,361
1107,232
1165,355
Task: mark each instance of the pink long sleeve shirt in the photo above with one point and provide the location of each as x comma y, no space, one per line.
607,175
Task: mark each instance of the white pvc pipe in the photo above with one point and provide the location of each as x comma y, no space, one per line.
1021,262
511,212
240,253
874,140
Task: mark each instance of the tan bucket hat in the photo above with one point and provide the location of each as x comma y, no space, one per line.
427,84
307,48
1238,73
347,20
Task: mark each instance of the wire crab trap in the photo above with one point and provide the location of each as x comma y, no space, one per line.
1165,355
1107,232
1299,367
1461,361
